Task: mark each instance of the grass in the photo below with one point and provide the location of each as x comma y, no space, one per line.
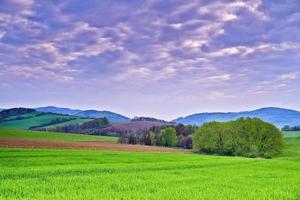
38,135
289,134
74,174
38,120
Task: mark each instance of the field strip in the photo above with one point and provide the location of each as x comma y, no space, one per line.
89,145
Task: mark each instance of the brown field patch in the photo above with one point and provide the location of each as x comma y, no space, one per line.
99,145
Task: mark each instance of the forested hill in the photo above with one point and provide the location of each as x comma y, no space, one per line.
278,116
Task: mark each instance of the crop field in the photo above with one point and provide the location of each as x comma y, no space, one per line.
86,174
39,135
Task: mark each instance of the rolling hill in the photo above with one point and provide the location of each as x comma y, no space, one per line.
29,118
57,110
277,116
111,116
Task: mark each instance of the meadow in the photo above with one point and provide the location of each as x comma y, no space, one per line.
35,119
40,135
78,174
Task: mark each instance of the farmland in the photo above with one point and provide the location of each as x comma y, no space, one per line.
25,121
78,174
39,135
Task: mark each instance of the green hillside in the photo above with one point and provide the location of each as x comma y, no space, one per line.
39,135
25,121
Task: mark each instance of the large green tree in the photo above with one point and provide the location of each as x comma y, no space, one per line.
243,137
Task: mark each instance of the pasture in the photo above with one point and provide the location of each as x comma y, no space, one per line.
40,135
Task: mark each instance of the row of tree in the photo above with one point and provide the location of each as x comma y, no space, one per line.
93,127
54,121
169,136
291,128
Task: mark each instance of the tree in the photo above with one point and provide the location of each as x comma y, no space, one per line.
243,137
168,137
149,138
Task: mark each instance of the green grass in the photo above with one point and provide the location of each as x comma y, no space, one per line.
39,135
38,120
72,174
289,134
85,174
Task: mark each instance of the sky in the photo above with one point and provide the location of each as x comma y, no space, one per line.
159,58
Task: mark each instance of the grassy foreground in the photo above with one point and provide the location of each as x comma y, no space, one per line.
39,135
75,174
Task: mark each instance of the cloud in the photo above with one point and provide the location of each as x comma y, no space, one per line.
247,50
289,76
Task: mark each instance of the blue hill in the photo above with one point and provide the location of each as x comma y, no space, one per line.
111,116
277,116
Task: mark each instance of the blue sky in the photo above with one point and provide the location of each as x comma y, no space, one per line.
161,58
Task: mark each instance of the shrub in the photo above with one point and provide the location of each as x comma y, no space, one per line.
243,137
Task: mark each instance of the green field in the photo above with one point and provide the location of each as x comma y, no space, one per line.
39,135
75,174
34,120
289,134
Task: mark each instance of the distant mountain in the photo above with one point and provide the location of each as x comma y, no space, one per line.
111,116
277,116
57,110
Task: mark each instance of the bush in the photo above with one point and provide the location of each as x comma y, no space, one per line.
243,137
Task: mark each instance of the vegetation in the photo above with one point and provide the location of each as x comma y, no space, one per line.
36,119
73,174
243,137
14,112
92,127
290,128
169,135
38,135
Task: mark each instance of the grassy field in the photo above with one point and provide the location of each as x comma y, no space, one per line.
75,174
38,135
290,134
35,120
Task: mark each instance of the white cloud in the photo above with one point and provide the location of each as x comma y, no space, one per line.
289,76
247,50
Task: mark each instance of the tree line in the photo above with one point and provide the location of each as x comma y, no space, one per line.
291,128
93,127
168,136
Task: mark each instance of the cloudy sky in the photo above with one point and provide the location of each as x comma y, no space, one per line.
161,58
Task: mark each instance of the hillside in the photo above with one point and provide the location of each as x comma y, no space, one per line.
133,126
31,118
277,116
111,116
